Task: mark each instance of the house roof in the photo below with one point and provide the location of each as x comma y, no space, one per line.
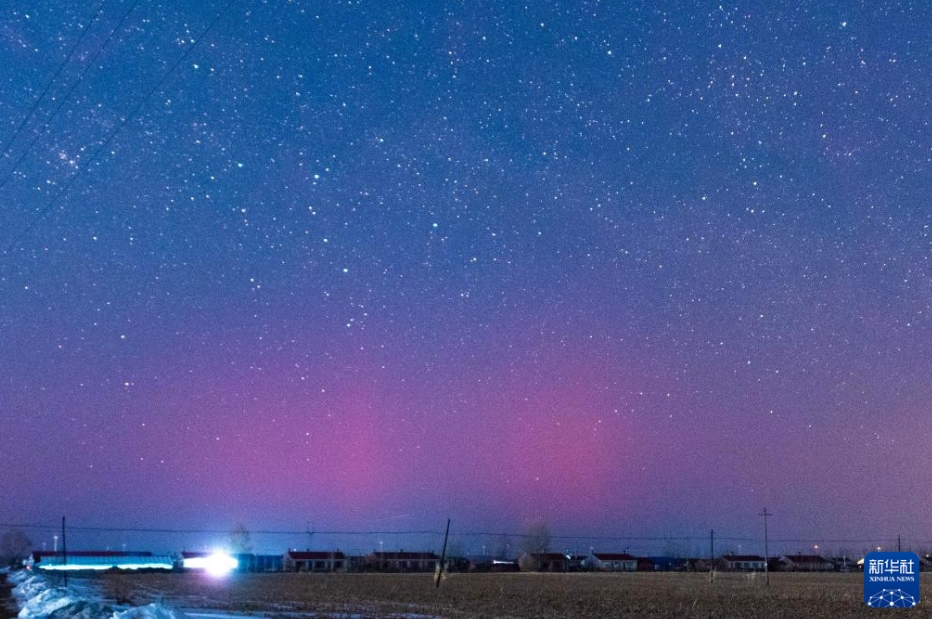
38,555
613,556
314,555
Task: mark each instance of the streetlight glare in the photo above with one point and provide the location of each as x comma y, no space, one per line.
218,564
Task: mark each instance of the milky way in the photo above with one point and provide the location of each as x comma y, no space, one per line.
635,268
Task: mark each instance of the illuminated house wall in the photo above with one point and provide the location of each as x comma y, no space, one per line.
101,561
314,561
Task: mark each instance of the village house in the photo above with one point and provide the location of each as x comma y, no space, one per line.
740,563
695,564
544,562
490,563
645,564
612,562
669,564
314,561
402,561
806,563
249,562
99,560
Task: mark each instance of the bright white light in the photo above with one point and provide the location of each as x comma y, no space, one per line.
217,564
221,564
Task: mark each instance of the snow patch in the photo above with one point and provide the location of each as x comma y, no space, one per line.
152,611
27,585
45,603
83,609
38,600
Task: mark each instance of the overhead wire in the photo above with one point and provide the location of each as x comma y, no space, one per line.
87,67
67,184
48,86
614,538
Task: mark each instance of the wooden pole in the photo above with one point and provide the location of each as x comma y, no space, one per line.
766,515
443,553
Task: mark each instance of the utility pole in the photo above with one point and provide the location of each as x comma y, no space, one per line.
443,554
766,515
711,555
64,551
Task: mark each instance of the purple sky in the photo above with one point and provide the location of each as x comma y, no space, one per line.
635,268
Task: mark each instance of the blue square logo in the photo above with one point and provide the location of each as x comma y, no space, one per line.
891,579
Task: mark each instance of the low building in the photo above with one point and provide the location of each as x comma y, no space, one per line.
268,563
740,563
314,561
575,563
248,562
456,564
480,563
356,563
669,564
612,562
645,564
99,561
402,561
844,563
491,563
544,562
806,563
695,564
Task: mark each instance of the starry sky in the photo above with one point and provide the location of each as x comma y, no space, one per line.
635,268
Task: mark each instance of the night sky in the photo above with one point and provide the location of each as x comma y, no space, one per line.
635,268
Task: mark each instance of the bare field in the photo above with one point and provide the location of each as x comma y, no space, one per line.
636,596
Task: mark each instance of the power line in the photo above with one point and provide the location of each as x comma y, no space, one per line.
71,180
87,67
617,538
35,104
